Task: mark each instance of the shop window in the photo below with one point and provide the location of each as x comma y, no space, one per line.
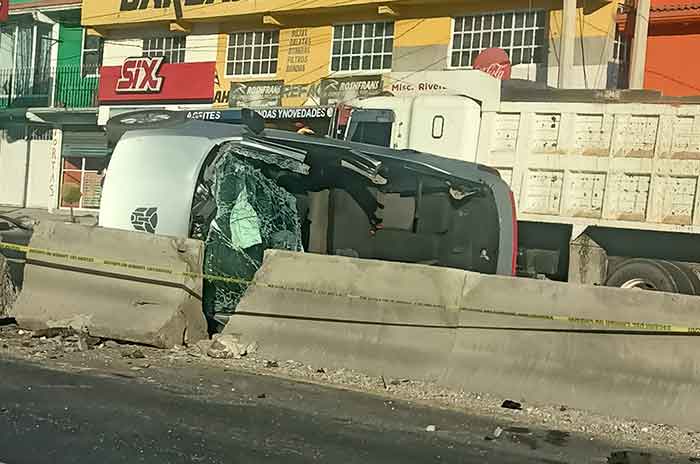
172,49
252,53
91,58
362,47
84,173
520,33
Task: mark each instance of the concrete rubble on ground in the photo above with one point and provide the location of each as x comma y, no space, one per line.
228,347
8,292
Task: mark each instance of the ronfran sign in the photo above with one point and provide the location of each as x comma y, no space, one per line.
140,75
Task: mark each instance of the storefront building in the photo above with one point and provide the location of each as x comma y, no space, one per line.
286,57
49,138
674,38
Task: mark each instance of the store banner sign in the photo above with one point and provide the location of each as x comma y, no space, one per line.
302,112
256,94
328,91
340,90
4,10
143,79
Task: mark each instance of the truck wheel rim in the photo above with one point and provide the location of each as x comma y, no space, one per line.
640,284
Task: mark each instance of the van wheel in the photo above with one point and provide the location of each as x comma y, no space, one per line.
643,274
145,119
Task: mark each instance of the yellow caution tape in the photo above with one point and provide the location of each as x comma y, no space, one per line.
118,264
605,323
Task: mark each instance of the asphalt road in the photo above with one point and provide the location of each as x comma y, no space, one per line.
49,416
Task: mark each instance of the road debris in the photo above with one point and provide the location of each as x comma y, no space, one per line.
495,435
227,347
431,428
8,292
133,353
82,344
262,396
510,404
271,364
399,381
629,457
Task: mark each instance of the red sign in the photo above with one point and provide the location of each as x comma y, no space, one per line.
493,61
140,75
4,10
143,79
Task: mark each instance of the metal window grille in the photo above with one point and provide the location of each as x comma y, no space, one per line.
93,47
362,47
252,53
620,48
520,33
172,49
40,133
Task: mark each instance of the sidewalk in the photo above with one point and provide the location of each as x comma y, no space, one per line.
30,216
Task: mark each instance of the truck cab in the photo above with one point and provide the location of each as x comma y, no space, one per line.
444,124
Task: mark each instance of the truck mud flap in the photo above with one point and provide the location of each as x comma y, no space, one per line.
113,284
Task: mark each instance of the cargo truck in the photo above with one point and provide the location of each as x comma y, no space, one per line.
606,182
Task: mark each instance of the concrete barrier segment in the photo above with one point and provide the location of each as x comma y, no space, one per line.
435,324
113,301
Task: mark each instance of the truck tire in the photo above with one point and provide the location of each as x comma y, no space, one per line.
645,274
691,275
682,277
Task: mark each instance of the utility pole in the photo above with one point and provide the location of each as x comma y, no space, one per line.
567,43
638,56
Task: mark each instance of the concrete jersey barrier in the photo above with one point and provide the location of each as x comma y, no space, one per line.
113,301
568,344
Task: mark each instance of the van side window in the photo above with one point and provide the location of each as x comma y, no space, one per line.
438,126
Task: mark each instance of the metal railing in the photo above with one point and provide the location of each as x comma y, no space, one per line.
61,87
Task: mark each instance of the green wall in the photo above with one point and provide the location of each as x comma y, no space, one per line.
70,45
72,89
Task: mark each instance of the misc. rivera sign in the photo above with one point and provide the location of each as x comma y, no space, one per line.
150,79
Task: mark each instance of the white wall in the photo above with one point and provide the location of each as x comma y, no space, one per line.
12,170
596,76
116,50
39,174
201,43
